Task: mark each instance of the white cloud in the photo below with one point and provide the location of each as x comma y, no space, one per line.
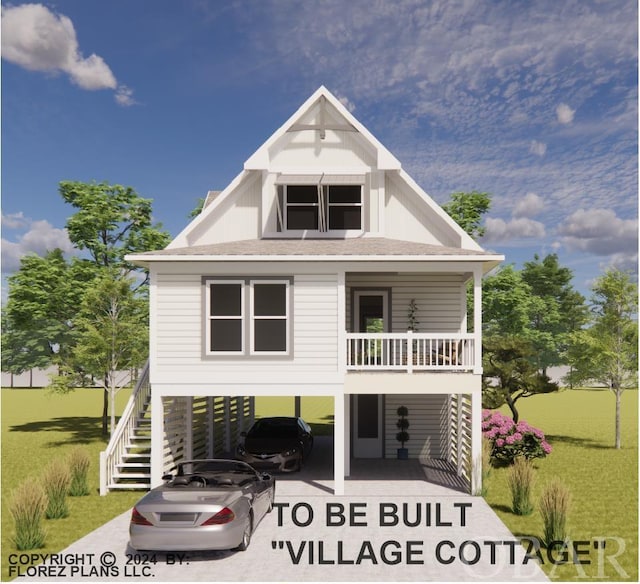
565,114
346,102
529,206
500,230
40,238
124,96
14,220
538,148
599,232
38,39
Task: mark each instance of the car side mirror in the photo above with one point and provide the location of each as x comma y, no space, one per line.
167,477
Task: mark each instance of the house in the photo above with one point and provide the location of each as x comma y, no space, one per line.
303,278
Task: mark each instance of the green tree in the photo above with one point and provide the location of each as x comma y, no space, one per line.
557,311
198,208
43,298
111,221
467,209
510,374
111,338
607,351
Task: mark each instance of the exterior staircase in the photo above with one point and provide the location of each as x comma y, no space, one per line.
126,462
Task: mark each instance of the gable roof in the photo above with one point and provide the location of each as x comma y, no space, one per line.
259,160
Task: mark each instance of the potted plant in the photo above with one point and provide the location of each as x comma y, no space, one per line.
402,436
412,316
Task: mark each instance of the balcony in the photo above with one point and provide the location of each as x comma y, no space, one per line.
410,352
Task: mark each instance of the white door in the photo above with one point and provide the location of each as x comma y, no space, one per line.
367,426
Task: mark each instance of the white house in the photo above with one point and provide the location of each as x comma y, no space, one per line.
297,280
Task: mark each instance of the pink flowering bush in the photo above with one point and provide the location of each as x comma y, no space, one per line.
510,440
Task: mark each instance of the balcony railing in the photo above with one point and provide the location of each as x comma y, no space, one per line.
410,352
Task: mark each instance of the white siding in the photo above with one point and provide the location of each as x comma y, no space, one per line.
428,425
441,299
180,332
238,218
408,217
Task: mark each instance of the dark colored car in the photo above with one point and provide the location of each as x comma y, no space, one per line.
209,504
278,443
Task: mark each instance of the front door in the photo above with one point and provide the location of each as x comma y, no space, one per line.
371,316
367,426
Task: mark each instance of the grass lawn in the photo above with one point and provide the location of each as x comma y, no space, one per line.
37,427
603,481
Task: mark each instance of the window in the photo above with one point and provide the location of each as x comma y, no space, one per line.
248,316
323,208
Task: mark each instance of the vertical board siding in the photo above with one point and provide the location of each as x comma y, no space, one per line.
441,299
428,434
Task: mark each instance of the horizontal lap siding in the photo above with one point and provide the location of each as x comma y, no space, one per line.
428,425
441,299
179,330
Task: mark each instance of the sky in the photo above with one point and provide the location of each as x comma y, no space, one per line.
534,102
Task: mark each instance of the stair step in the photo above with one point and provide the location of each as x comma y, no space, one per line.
131,475
141,464
131,486
136,455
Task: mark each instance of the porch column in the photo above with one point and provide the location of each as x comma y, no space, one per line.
227,424
252,410
157,439
347,435
476,442
188,428
211,419
338,444
477,319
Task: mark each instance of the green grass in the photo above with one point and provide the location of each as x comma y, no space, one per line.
603,481
38,427
317,411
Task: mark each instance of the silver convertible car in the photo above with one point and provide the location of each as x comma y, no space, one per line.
210,504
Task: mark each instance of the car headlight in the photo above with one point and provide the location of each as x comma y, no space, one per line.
290,452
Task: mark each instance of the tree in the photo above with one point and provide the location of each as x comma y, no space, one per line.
111,221
111,338
510,374
198,208
44,295
607,351
467,209
558,311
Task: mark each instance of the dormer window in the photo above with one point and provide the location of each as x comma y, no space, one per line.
321,204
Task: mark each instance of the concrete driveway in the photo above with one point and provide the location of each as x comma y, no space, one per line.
381,531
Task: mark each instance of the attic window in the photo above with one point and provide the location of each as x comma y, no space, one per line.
328,207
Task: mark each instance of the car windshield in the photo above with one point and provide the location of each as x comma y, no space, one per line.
270,428
213,467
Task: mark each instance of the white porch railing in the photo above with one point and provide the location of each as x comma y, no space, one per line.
410,352
124,431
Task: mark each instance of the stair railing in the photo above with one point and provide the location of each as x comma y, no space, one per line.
112,456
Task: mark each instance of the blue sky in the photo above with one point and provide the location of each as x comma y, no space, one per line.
534,102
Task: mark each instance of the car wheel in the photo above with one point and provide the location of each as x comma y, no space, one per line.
246,536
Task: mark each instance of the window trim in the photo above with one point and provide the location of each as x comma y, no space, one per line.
327,206
210,318
248,333
252,318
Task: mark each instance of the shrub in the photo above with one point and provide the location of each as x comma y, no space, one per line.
79,462
520,479
27,506
554,507
510,440
57,479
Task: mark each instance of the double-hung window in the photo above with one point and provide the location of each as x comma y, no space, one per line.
248,317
